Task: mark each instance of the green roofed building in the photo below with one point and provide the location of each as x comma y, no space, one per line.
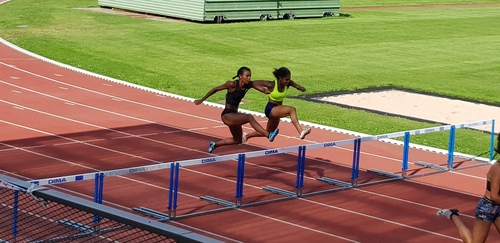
229,10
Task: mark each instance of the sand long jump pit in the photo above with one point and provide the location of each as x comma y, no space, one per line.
415,106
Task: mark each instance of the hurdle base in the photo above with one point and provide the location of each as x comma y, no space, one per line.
335,182
219,201
280,191
153,213
385,173
431,166
76,226
85,230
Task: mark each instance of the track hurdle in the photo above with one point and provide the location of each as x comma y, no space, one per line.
174,178
451,144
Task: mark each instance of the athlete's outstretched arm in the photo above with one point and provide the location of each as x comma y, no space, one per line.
262,86
297,86
226,85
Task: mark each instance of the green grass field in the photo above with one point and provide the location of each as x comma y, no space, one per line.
448,51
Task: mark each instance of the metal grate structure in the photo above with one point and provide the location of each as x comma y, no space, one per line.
31,215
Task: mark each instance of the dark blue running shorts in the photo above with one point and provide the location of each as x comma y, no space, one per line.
487,210
268,109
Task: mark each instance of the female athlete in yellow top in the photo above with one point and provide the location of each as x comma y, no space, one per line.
275,108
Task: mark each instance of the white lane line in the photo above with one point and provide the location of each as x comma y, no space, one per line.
299,226
383,220
91,125
107,95
99,109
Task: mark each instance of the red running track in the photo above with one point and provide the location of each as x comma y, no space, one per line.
57,122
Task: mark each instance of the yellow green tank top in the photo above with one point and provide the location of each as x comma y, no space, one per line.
276,95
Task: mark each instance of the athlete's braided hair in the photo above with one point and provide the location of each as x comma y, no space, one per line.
241,71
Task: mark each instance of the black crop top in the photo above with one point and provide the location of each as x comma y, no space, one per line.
234,98
488,187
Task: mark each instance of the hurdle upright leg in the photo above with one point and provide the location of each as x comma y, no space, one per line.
492,140
406,150
176,189
299,183
451,147
14,215
355,162
239,179
171,191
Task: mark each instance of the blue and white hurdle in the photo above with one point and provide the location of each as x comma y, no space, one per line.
299,184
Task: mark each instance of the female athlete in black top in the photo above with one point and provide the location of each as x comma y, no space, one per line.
236,90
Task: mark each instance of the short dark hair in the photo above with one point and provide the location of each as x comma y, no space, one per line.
281,72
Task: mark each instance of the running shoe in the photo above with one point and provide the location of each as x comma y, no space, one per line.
211,147
273,134
304,133
244,137
447,212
